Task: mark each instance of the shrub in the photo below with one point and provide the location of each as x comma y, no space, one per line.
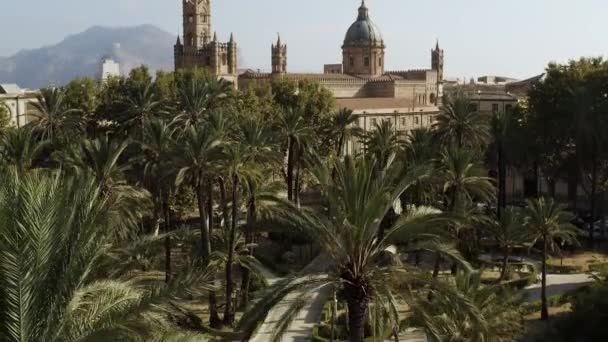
564,269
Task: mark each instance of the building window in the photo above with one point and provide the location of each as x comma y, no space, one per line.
208,60
416,120
508,108
403,122
224,59
374,122
351,61
380,61
366,61
473,107
494,107
432,97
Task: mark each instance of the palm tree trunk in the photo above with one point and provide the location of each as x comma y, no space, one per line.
167,224
223,201
210,204
290,161
246,280
228,312
357,312
593,197
214,319
505,264
204,228
544,314
297,181
437,265
502,181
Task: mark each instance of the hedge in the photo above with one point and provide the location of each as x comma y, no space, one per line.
564,269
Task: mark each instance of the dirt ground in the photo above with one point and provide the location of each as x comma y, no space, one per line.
582,259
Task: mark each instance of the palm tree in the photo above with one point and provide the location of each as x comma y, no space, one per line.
343,127
458,125
497,313
141,106
55,230
464,179
19,148
159,177
52,116
295,131
360,199
195,155
382,142
548,223
198,95
508,232
100,159
501,125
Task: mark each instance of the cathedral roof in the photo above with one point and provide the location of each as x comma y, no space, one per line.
363,30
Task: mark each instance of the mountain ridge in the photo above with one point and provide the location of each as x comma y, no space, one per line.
78,55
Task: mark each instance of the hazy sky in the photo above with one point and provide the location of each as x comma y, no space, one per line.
506,37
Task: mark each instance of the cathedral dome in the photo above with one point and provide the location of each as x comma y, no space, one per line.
363,30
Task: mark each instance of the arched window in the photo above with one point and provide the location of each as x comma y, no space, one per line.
366,61
433,99
351,61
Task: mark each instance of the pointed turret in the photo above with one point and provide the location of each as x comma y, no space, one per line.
215,37
231,38
179,41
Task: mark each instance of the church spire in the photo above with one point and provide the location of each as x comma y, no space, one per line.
231,38
215,37
278,40
363,11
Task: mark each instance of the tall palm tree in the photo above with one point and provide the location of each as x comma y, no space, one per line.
548,224
157,147
55,230
343,127
51,115
295,131
509,232
19,148
360,199
459,125
464,181
501,125
197,151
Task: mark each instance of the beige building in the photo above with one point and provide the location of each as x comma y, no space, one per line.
407,98
18,103
199,48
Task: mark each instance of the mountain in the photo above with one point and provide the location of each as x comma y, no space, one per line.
79,55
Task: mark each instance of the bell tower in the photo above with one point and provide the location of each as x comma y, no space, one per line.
197,23
437,58
279,58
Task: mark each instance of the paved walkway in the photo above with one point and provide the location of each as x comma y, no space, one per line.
558,284
301,328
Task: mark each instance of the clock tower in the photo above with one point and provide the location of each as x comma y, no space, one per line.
197,22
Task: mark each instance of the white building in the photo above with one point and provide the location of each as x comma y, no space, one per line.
108,68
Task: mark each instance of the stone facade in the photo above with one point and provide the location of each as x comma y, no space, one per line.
18,103
408,98
198,49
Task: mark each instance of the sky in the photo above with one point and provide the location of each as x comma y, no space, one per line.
515,38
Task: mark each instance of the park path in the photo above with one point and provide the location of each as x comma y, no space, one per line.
301,328
558,284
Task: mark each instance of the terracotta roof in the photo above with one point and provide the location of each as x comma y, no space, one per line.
299,76
383,104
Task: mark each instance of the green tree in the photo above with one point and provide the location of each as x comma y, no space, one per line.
199,94
20,149
5,118
509,232
52,115
198,150
343,127
55,231
360,199
459,125
159,176
549,225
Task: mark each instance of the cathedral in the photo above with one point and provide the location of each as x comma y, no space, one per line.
407,98
199,49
